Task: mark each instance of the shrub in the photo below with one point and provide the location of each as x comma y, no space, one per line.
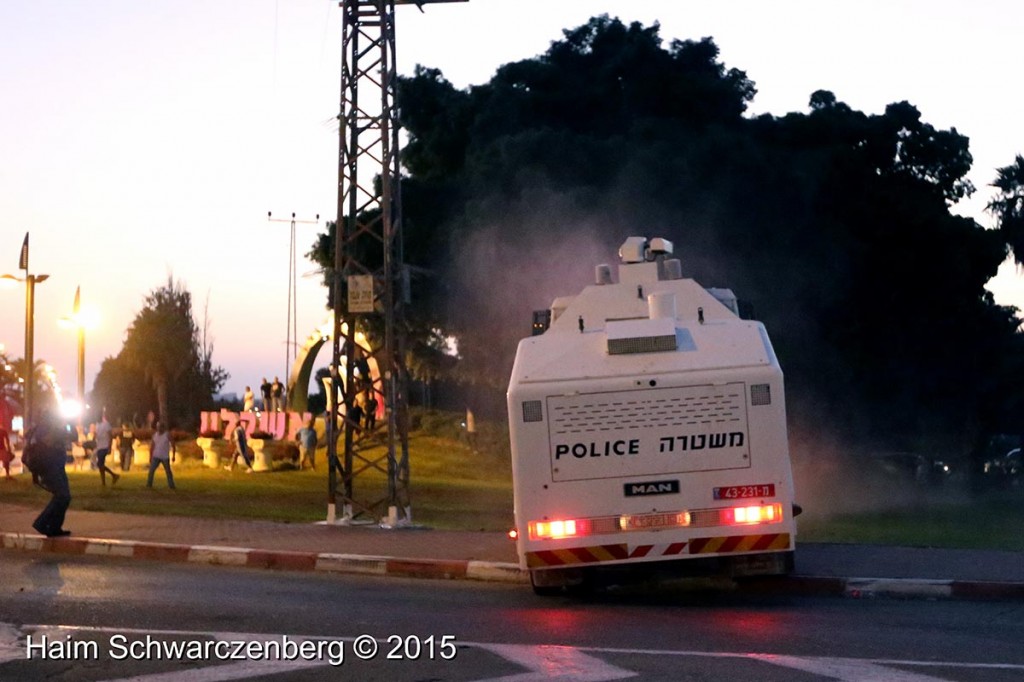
211,433
178,436
262,435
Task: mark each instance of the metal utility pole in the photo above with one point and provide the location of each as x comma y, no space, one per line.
30,281
369,280
80,329
291,333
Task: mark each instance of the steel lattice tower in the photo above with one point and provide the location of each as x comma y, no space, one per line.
368,243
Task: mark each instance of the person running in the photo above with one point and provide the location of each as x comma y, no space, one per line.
241,448
104,439
161,455
46,450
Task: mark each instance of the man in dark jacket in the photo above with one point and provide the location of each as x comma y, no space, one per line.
49,457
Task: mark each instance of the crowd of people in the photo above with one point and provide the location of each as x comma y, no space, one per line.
272,397
45,457
49,441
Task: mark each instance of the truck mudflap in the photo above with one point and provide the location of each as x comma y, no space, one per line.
623,552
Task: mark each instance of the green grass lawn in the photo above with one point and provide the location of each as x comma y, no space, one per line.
454,488
993,520
451,487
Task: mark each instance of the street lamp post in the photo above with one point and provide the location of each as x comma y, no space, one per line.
81,350
30,317
30,314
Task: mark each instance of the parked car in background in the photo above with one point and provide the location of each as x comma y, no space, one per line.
1004,461
923,470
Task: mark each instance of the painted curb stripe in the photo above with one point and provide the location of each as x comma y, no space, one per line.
506,572
221,556
426,568
161,552
965,589
285,561
109,548
351,563
497,572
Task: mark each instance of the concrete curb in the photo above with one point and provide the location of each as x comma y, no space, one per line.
797,585
272,559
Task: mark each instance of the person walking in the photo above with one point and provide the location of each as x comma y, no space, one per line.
45,455
125,440
104,439
307,444
241,448
6,452
161,455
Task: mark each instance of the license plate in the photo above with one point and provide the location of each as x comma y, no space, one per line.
646,521
742,492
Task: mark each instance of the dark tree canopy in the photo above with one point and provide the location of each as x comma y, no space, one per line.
165,365
834,222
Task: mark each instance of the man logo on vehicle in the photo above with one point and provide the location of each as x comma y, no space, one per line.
651,488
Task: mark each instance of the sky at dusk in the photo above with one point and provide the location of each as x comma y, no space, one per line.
143,140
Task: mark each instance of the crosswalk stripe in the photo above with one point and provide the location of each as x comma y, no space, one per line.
560,663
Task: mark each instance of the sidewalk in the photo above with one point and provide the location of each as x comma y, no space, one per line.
834,569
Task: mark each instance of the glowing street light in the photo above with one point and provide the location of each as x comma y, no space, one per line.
79,321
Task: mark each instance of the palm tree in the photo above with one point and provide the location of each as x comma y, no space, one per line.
12,376
1008,206
160,341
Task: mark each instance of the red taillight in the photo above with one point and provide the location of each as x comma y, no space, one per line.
559,528
758,513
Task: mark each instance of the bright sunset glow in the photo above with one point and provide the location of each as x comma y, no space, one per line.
142,139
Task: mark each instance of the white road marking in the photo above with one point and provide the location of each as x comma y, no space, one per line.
732,654
220,673
560,663
542,662
845,669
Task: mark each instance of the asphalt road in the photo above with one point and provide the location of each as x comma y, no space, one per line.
105,619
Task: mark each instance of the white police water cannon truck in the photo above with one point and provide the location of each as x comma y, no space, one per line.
648,433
